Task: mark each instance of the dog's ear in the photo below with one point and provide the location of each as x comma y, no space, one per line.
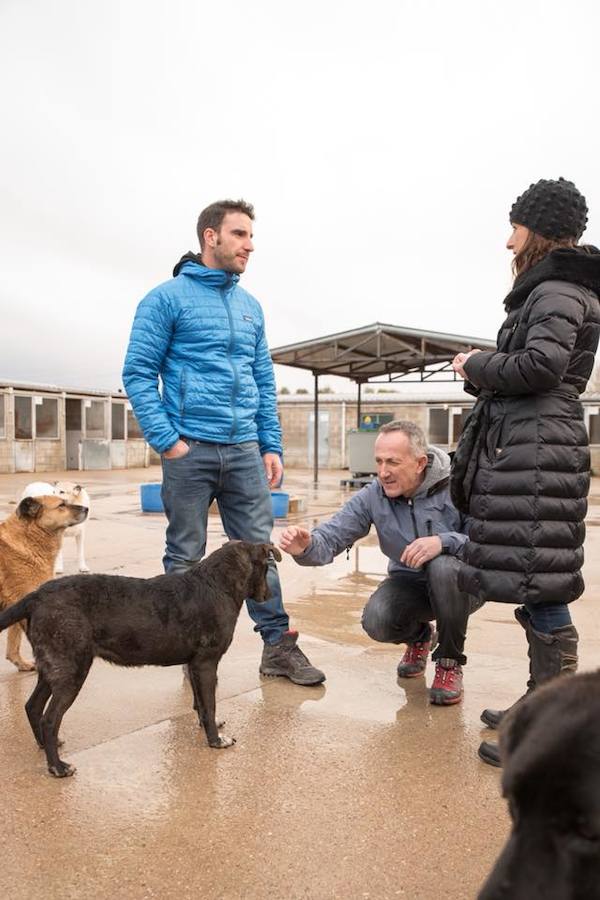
29,508
272,552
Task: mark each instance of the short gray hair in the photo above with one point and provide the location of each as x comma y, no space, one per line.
414,433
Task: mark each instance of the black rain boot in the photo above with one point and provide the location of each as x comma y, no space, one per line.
550,655
489,753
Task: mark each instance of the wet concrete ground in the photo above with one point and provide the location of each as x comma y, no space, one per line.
358,788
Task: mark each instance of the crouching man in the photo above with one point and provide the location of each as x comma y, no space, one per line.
421,533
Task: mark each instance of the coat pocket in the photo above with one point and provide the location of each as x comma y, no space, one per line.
495,441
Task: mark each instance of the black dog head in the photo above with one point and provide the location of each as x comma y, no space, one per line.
241,567
261,555
550,745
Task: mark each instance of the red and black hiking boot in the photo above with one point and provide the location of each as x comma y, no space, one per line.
415,657
447,687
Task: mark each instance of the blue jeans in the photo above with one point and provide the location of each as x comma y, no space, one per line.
234,475
546,618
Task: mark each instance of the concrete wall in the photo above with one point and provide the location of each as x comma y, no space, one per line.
136,454
295,418
49,455
6,456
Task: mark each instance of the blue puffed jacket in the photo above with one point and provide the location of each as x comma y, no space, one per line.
204,336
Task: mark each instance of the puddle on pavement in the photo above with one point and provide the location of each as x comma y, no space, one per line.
332,605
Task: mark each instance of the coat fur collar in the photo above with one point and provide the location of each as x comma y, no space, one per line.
579,265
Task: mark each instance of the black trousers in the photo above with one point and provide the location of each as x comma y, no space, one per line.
402,605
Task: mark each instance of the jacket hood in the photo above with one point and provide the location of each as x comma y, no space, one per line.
438,470
191,264
579,265
187,257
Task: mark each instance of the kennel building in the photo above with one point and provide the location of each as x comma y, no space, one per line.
45,428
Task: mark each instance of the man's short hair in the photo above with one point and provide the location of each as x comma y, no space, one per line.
414,433
213,215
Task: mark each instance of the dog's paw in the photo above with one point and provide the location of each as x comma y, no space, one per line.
222,742
62,770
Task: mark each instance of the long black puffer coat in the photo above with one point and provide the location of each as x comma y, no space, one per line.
522,466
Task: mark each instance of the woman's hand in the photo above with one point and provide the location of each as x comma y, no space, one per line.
459,361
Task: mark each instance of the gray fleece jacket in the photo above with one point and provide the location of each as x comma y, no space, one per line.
397,521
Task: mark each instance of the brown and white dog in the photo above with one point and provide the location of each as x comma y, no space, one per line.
29,541
71,493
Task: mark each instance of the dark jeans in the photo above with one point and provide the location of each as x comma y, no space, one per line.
234,475
546,618
402,606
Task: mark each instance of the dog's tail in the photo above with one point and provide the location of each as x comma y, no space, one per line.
18,611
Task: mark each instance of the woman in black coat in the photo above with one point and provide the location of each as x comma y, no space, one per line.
522,467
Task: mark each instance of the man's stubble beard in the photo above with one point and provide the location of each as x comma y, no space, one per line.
226,263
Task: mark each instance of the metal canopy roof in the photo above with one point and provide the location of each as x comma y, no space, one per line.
378,350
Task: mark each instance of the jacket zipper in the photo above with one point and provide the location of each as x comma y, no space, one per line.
412,512
182,389
232,364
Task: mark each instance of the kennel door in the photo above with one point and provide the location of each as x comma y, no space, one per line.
24,456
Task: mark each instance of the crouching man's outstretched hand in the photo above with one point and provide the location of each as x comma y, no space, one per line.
294,540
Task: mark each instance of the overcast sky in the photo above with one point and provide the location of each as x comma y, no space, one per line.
382,144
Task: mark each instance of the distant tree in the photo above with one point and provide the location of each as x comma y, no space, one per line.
284,390
326,390
301,391
369,390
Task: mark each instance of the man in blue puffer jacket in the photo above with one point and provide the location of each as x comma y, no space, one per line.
422,534
215,420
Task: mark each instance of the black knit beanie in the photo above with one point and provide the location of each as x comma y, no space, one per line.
554,209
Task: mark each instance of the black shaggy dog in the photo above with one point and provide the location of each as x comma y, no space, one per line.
164,621
550,747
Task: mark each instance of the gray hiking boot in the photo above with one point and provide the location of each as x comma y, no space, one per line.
287,659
